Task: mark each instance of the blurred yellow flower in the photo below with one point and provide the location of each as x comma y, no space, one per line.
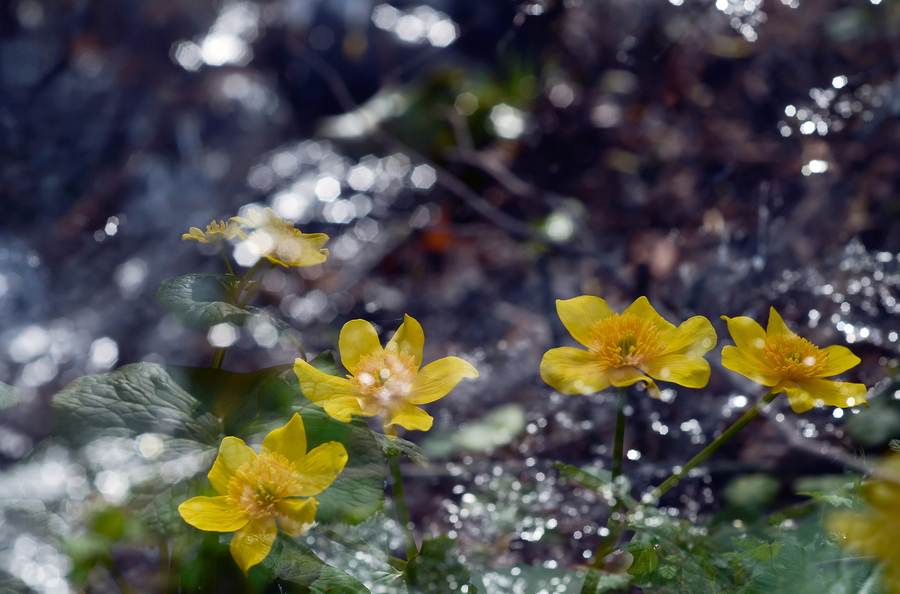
623,349
259,492
788,363
215,231
277,240
383,380
873,530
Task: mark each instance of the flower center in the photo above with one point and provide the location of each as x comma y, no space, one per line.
258,485
384,377
794,358
625,340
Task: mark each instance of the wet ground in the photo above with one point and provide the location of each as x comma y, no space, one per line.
472,164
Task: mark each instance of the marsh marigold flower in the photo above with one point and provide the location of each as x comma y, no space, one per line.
278,241
216,231
259,492
780,359
386,381
873,530
637,345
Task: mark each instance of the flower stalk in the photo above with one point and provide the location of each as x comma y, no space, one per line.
708,451
409,541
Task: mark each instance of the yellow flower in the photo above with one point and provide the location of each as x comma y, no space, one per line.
626,348
277,240
781,359
215,231
873,531
257,490
383,380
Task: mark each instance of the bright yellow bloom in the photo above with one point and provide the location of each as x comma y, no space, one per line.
257,490
781,359
279,242
383,380
623,349
215,231
873,531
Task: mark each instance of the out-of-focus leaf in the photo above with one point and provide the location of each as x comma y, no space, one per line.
9,396
437,568
398,446
646,558
588,479
752,491
498,428
292,561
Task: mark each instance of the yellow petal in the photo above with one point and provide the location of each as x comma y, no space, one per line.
252,543
358,338
334,394
409,417
573,371
195,233
684,370
320,467
750,364
642,309
745,332
580,313
627,376
233,452
436,379
777,325
212,514
821,392
839,360
370,407
295,516
409,339
694,337
289,441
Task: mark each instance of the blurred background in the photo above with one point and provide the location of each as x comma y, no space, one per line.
472,162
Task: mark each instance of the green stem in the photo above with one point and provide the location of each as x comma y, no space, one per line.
247,277
619,444
707,451
164,564
255,288
227,261
218,357
402,511
614,526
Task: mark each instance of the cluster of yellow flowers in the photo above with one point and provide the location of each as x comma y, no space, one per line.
639,345
256,493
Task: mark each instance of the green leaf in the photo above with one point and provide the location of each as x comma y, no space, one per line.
201,300
437,568
645,557
829,498
9,396
668,572
895,445
143,404
583,477
294,562
325,363
136,399
397,446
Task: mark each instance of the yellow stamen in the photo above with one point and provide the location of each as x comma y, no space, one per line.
258,485
794,358
625,340
384,377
